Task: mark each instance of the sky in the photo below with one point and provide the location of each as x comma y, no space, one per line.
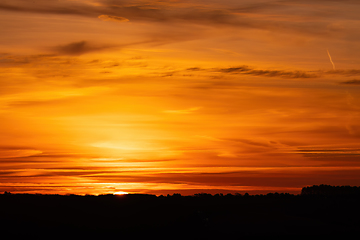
169,96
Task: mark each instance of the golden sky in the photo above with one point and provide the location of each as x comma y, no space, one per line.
105,96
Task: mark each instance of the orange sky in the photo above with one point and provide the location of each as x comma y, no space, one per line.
103,96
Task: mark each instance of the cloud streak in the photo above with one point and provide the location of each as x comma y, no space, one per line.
183,111
244,69
108,18
78,48
344,72
330,59
351,82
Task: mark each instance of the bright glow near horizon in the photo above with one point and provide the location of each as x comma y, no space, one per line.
120,193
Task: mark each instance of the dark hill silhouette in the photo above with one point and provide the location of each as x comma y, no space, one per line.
201,215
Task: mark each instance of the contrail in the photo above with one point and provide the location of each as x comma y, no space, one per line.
330,59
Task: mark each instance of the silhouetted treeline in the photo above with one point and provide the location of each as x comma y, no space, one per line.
202,215
328,190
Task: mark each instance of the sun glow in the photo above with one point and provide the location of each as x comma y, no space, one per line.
121,193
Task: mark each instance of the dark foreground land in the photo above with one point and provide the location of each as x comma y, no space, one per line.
319,210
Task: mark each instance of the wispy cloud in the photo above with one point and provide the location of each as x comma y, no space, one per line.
351,82
244,69
183,111
112,18
345,72
269,73
78,48
17,152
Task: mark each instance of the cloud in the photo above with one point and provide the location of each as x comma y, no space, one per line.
236,140
9,60
194,69
343,156
346,72
267,73
183,111
78,48
247,141
351,82
112,18
239,69
281,73
259,72
46,7
83,47
17,152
